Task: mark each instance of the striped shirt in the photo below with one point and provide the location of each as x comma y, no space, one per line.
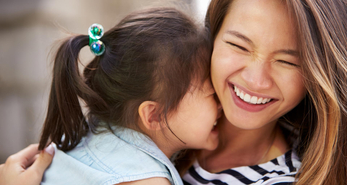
279,171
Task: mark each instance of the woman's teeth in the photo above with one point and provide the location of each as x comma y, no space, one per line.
250,99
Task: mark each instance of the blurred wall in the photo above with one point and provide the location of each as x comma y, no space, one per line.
29,31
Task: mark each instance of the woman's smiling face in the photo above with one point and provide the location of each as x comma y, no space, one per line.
255,63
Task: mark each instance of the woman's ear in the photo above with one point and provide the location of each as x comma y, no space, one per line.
150,118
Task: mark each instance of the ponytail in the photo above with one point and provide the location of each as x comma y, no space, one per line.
65,124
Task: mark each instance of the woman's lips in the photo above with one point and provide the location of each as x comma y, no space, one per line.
248,101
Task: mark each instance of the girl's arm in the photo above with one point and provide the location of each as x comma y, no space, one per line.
152,181
27,166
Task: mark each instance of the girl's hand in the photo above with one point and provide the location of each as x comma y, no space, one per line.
27,166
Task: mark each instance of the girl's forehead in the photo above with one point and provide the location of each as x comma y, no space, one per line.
200,85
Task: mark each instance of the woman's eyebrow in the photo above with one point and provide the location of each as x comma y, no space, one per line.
249,41
288,52
240,36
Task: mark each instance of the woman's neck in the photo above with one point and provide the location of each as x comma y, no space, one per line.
238,147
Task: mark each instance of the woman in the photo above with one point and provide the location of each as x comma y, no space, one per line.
26,166
297,78
269,57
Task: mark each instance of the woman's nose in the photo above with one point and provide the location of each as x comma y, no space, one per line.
257,76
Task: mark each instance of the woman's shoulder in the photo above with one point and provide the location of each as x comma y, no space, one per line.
279,170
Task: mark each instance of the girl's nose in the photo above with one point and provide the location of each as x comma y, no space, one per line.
219,107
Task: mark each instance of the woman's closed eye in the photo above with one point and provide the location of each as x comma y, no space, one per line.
287,63
238,46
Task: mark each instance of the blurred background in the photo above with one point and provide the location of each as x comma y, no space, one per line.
29,32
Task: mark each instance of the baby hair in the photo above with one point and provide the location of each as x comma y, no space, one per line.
150,55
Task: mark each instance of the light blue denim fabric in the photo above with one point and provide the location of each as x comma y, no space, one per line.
108,158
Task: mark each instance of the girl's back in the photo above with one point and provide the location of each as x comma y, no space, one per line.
109,158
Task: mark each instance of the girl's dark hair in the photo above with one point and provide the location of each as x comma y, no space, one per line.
151,55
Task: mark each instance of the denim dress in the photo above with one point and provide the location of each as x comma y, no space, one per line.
110,158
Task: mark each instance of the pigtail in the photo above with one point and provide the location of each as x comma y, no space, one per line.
65,124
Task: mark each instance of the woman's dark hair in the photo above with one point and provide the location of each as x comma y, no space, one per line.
320,119
215,15
152,54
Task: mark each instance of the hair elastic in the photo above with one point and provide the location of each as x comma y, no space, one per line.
95,32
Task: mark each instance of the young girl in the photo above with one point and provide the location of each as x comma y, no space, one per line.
148,95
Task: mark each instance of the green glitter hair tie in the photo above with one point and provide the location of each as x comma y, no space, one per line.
95,32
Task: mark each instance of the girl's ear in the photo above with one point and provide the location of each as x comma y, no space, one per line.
148,111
